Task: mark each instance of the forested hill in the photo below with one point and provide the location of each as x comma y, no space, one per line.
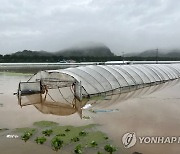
79,54
98,53
87,51
91,51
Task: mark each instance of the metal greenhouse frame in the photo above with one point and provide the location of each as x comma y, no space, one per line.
74,84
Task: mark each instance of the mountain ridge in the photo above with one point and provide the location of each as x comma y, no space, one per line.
86,51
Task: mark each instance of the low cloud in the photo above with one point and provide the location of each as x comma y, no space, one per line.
123,25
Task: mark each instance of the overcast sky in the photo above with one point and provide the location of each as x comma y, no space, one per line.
122,25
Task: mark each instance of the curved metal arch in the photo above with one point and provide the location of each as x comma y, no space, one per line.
92,77
147,72
105,68
95,80
169,76
165,71
101,76
110,72
67,72
124,71
173,71
64,72
136,67
129,70
156,72
118,73
136,74
178,68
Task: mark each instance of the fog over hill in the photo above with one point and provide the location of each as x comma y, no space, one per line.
99,50
153,53
89,50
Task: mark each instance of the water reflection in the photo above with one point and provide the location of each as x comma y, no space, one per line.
55,104
111,100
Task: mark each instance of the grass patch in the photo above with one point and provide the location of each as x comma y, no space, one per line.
26,132
25,129
47,132
97,98
83,133
95,136
72,133
45,124
15,74
61,134
76,139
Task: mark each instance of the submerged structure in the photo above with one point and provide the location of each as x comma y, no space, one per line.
72,85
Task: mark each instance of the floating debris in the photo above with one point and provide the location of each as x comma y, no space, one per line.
103,110
87,106
12,136
86,117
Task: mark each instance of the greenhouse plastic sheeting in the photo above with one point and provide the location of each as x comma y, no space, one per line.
97,79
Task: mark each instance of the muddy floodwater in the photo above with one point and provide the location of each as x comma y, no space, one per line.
145,113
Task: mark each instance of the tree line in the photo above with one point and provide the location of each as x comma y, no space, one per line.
51,59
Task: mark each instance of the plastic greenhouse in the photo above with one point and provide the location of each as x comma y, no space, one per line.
74,84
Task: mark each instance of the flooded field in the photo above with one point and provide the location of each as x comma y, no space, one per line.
142,112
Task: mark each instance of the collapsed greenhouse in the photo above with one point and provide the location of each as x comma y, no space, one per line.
74,84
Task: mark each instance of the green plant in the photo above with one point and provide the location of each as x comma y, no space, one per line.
78,149
56,143
67,130
40,140
106,138
109,148
83,133
26,136
93,144
61,134
47,132
75,139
